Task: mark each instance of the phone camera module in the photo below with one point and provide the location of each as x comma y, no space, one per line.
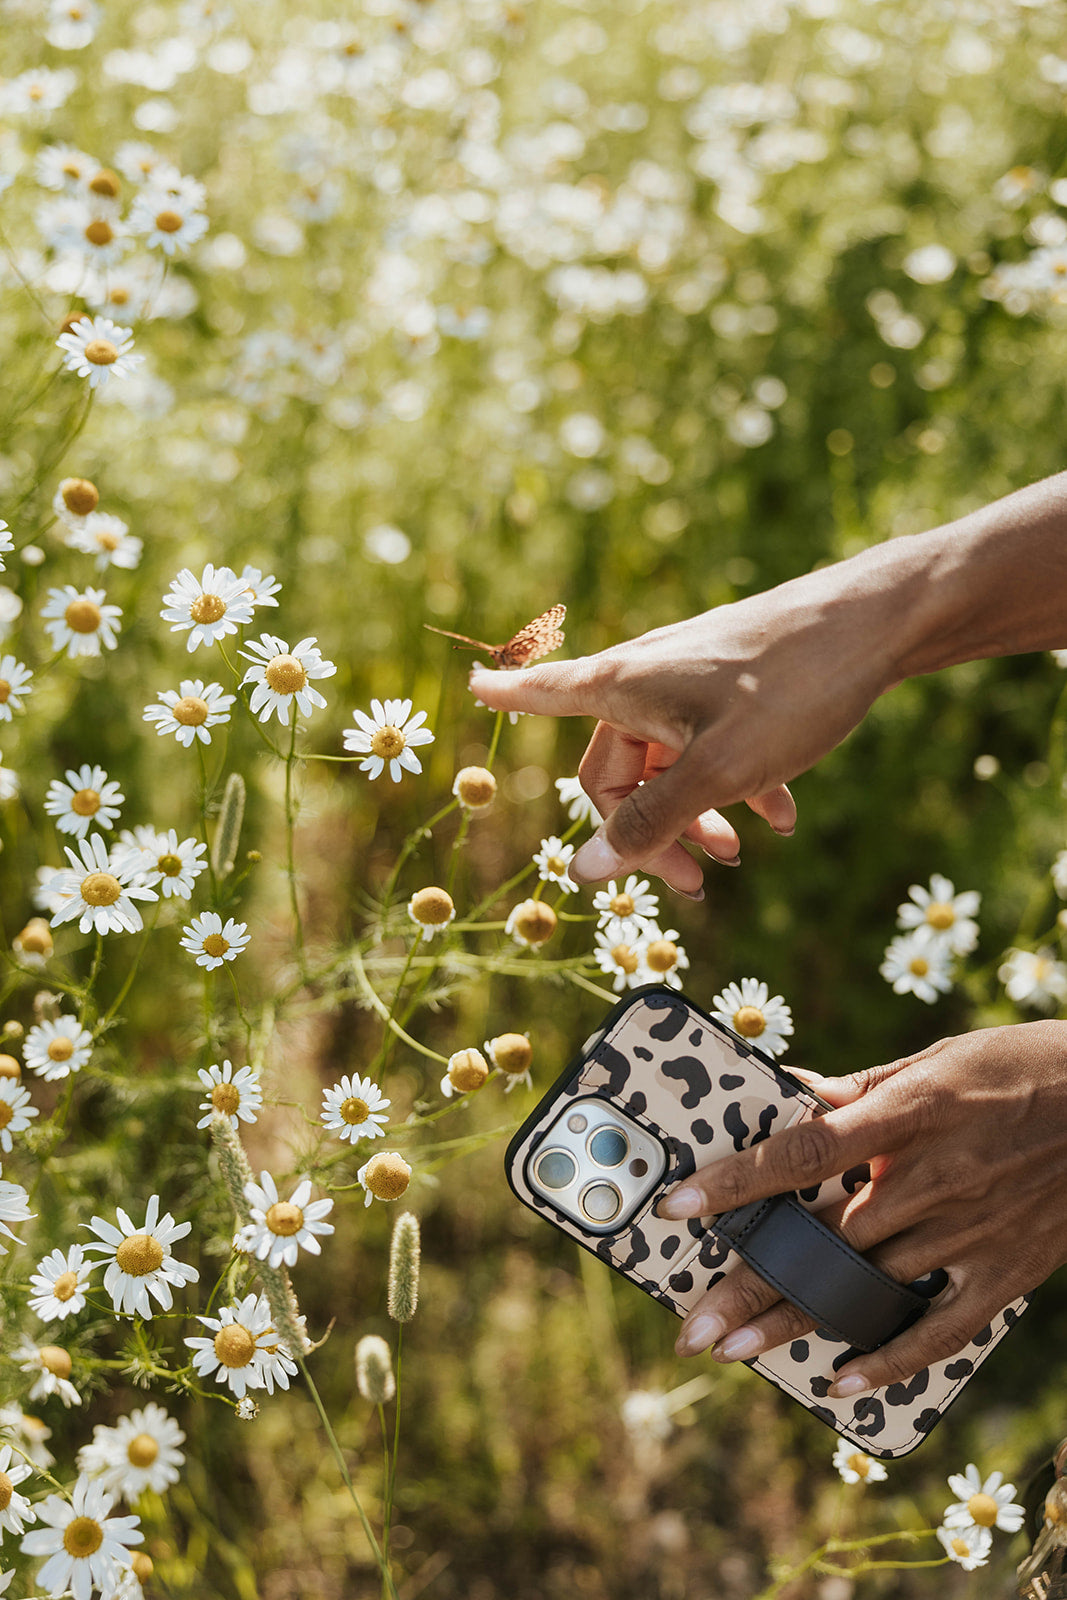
609,1147
601,1202
556,1169
577,1123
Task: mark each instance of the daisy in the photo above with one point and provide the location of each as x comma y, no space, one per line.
512,1053
16,1510
138,161
16,1111
212,942
1034,979
276,1366
917,964
98,349
98,890
579,806
30,1432
942,914
189,713
384,1177
553,861
235,1353
211,606
236,1095
647,1416
62,166
140,1452
988,1504
7,543
71,24
475,788
751,1012
1058,868
14,682
431,910
531,923
84,230
59,1284
85,1547
42,896
388,736
261,590
968,1547
279,1227
53,1365
87,799
141,1261
354,1109
171,866
107,538
620,952
664,957
54,1049
633,900
14,1207
9,784
854,1466
38,92
281,676
33,946
80,621
467,1071
167,223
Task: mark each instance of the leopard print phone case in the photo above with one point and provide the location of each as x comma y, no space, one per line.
702,1092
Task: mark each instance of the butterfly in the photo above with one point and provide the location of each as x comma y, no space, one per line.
539,638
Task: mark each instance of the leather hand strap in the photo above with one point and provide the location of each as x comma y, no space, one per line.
813,1268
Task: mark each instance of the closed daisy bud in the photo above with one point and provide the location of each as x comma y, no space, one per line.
141,1565
531,923
467,1070
374,1370
474,788
13,1030
34,943
431,909
385,1176
231,815
511,1052
9,1067
79,496
404,1259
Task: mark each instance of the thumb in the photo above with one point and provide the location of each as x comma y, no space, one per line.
560,689
647,822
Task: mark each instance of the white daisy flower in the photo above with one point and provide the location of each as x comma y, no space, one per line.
98,890
750,1011
211,606
88,799
620,952
1058,869
139,161
432,910
983,1504
30,1433
7,543
1034,978
384,1177
17,1511
354,1109
579,806
647,1416
84,230
943,914
80,621
167,223
53,1365
531,923
14,1207
633,900
16,1111
63,167
55,1049
98,349
171,865
107,538
665,958
140,1452
968,1547
917,964
9,784
553,862
59,1284
282,675
467,1071
260,589
141,1262
512,1054
247,1409
236,1095
72,23
85,1547
854,1466
189,713
237,1351
280,1227
41,894
389,735
276,1366
212,942
38,92
14,683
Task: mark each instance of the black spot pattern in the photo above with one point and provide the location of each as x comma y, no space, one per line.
617,1067
902,1394
799,1350
642,1052
672,1023
820,1387
640,1250
869,1416
926,1420
855,1178
637,1104
730,1080
959,1369
696,1038
985,1334
681,1282
693,1073
702,1131
810,1195
669,1247
767,1116
736,1126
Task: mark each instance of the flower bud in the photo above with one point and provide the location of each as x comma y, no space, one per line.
34,943
531,923
467,1070
431,909
404,1259
9,1067
474,788
511,1052
386,1175
374,1370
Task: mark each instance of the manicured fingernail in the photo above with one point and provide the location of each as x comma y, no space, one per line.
786,833
739,1345
723,861
683,1202
845,1388
691,894
699,1333
595,860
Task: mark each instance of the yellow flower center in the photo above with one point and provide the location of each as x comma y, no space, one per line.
9,1067
859,1463
535,922
226,1097
234,1345
7,1111
983,1509
624,958
285,675
939,914
99,232
107,539
61,1048
169,865
215,945
65,1286
467,1070
960,1547
749,1022
5,691
1042,968
475,787
557,865
354,1110
207,608
71,169
85,802
139,1255
100,889
36,938
919,966
432,907
662,955
168,221
387,1175
285,1219
101,352
7,1489
55,1359
82,1537
80,496
103,182
190,711
142,1450
387,742
512,1052
119,296
83,616
622,905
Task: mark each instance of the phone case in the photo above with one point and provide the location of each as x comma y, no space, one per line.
704,1092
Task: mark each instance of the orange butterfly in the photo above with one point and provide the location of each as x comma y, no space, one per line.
539,638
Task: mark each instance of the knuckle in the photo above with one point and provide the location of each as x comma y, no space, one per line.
635,826
804,1157
749,1295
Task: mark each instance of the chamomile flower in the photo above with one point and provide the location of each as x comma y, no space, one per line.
281,675
171,865
85,231
55,1049
80,621
53,1367
467,1071
140,1260
276,1366
512,1053
987,1503
191,712
74,501
389,735
916,964
854,1466
260,588
968,1547
1034,978
38,92
579,806
14,1207
29,1431
63,167
211,606
16,1111
212,942
354,1109
752,1012
235,1352
72,23
531,923
86,1548
632,901
280,1228
98,349
59,1284
98,890
7,543
620,952
87,800
432,910
236,1094
17,1510
384,1177
41,894
107,538
167,222
140,1452
553,861
942,914
665,959
15,681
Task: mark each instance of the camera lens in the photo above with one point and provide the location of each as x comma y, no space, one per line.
609,1147
601,1202
556,1169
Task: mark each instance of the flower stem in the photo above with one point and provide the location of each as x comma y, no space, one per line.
290,862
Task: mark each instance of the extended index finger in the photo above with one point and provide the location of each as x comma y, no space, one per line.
555,689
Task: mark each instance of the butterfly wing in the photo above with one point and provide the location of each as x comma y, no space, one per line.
475,644
539,638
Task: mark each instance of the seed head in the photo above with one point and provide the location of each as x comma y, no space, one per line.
474,788
80,496
387,1175
431,907
9,1067
374,1370
532,922
35,939
404,1259
467,1070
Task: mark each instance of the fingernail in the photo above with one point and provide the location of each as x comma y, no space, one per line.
690,894
786,833
740,1344
845,1388
723,861
683,1202
595,860
699,1333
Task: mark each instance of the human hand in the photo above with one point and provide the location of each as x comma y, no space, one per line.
967,1144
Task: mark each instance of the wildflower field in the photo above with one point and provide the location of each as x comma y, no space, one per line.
326,327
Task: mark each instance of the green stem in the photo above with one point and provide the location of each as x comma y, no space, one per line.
495,741
124,991
392,1027
204,792
290,859
391,1486
94,972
